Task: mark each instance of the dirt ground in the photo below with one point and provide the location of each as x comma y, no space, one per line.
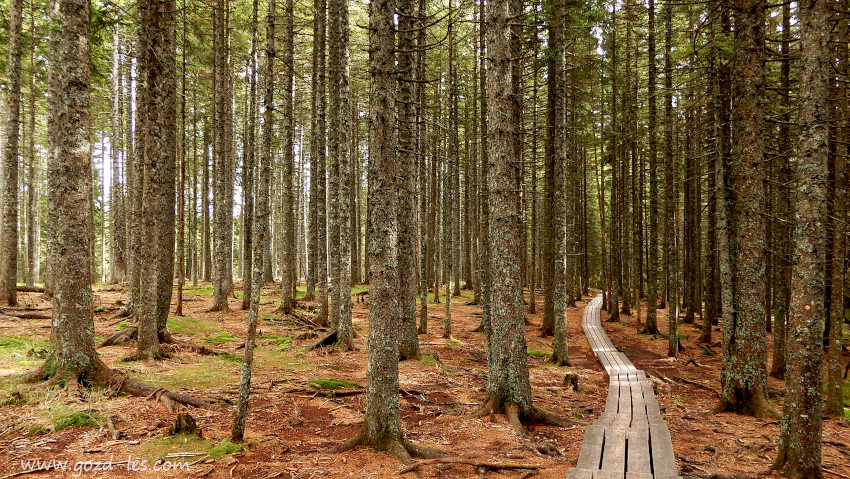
306,401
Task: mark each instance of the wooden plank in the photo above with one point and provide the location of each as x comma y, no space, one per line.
591,447
614,452
663,459
638,447
580,474
638,404
639,475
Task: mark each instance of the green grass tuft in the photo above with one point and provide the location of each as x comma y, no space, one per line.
76,419
333,383
220,338
11,343
224,448
191,326
280,343
538,353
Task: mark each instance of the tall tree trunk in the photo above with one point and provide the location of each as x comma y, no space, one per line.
840,244
782,288
157,111
799,454
118,262
260,222
289,253
652,267
560,354
222,163
9,224
181,186
341,157
508,380
486,307
670,200
744,374
421,142
408,340
317,160
69,149
249,159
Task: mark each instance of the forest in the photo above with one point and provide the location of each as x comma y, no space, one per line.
430,238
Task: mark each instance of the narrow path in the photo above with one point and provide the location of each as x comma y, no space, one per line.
630,439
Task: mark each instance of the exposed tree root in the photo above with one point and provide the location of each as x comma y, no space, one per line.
125,335
518,419
25,314
101,375
326,340
401,448
757,406
477,463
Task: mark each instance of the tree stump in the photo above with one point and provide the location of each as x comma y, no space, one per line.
571,381
185,424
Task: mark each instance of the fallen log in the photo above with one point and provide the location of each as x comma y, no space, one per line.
30,289
26,314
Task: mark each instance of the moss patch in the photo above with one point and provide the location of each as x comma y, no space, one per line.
191,326
76,419
280,343
159,448
17,343
538,353
220,338
333,383
224,448
202,373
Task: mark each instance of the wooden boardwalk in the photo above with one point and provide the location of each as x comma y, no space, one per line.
630,439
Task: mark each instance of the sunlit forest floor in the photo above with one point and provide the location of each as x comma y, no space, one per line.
307,401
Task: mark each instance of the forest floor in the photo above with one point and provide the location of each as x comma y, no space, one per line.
307,401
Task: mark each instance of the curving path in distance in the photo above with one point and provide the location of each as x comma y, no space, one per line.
630,439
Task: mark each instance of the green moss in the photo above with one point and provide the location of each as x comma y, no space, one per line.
202,290
159,448
224,448
122,325
429,360
455,341
538,353
280,343
100,309
333,383
847,412
191,326
76,419
38,430
204,372
13,343
220,338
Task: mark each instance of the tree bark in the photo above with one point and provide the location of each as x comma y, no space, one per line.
799,453
341,156
9,224
157,111
744,374
560,354
260,223
407,155
317,160
652,267
222,163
